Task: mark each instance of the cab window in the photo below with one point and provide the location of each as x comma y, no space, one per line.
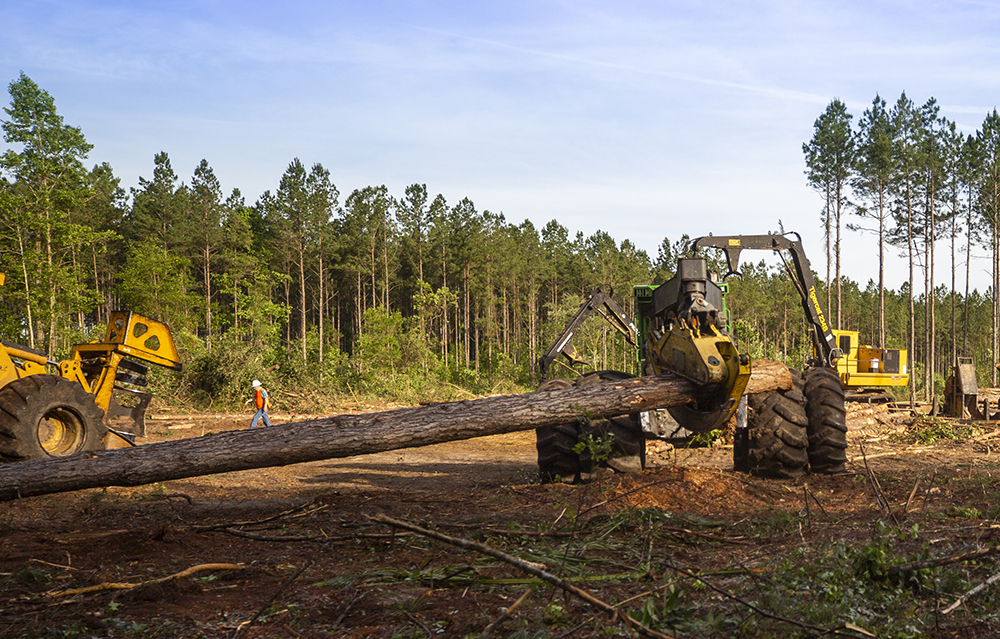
845,344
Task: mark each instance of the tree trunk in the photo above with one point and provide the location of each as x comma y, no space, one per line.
968,271
349,435
836,248
912,336
207,254
881,269
302,299
322,308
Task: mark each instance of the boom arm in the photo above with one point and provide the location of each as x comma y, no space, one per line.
598,302
732,245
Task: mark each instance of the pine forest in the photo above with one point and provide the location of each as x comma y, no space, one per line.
324,293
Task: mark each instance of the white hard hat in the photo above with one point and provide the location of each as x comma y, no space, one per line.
256,383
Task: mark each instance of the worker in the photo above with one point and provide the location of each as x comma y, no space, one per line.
262,403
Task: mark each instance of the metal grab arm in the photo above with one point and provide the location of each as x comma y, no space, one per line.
732,245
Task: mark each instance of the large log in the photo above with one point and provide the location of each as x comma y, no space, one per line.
349,435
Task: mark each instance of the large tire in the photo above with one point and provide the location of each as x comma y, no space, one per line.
557,459
778,432
44,416
827,421
628,453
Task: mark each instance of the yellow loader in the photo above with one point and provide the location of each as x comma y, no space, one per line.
75,408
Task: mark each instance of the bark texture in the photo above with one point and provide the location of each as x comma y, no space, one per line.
349,435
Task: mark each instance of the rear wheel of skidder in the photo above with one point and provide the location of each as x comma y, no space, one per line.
44,416
556,445
627,452
777,438
827,421
556,458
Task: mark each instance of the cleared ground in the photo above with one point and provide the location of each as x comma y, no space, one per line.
687,546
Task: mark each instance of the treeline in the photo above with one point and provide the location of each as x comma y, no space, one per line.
914,181
321,293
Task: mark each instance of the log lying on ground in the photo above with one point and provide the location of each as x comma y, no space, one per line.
349,435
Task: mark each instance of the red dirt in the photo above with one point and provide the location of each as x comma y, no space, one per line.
324,569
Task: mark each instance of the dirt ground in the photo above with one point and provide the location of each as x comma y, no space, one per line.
294,551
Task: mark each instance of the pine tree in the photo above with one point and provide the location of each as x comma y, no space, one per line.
873,176
989,207
159,207
47,183
829,160
906,123
206,232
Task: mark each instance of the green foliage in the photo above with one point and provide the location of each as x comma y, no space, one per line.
670,610
222,376
928,430
599,448
42,188
414,297
388,345
157,283
704,440
555,615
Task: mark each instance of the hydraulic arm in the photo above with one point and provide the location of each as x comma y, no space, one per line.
823,338
598,302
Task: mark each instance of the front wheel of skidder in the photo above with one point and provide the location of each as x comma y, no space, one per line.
827,421
777,438
44,416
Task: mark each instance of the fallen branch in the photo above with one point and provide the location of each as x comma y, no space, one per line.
124,586
983,586
281,539
526,533
412,617
819,503
990,435
909,500
505,615
908,451
879,495
531,569
296,511
942,561
694,533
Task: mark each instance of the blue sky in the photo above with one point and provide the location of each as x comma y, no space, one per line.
643,119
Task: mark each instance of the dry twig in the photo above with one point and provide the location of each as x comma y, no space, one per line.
909,500
125,586
270,602
879,495
961,600
694,533
505,615
297,511
412,617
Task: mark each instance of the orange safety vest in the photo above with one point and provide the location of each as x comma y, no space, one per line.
260,398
